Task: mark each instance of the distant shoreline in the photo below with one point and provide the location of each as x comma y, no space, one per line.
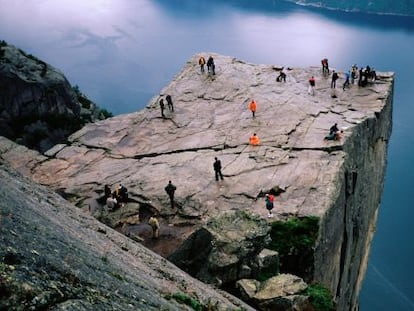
355,10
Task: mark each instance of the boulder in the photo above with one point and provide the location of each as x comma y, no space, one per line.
282,293
224,250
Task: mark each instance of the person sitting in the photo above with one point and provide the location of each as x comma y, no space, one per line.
335,135
112,203
254,140
333,129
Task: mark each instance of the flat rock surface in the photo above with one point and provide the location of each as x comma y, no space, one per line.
211,119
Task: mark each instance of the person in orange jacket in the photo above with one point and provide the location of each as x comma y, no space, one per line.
254,140
253,107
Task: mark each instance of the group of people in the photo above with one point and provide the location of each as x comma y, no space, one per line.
169,104
115,199
363,75
211,67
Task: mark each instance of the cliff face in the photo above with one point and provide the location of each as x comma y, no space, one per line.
38,107
340,182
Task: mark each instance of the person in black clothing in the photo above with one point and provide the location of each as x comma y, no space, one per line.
169,103
162,106
217,169
333,129
107,192
334,78
170,189
210,65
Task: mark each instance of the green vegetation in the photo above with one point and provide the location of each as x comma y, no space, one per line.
189,301
87,103
320,298
294,239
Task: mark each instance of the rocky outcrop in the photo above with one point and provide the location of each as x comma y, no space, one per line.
38,106
225,249
340,182
54,256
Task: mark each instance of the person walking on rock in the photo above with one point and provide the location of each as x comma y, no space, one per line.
155,226
162,107
334,78
312,83
170,189
169,103
202,62
217,169
211,67
346,83
269,204
253,107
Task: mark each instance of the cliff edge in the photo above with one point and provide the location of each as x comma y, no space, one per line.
339,182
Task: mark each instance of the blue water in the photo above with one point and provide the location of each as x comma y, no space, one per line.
121,53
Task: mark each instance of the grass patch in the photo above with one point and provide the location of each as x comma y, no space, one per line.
189,301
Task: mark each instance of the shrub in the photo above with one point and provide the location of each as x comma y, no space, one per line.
320,298
294,240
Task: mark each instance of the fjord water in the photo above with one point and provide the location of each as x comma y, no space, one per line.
121,53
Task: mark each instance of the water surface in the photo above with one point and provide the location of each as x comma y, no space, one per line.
122,53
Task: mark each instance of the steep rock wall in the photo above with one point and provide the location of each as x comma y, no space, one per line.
348,227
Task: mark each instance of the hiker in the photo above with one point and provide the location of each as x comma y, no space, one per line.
169,103
107,192
334,135
334,78
333,129
282,76
325,67
354,73
162,106
202,62
122,194
112,203
253,107
210,65
155,225
346,83
269,198
254,140
170,189
312,83
217,169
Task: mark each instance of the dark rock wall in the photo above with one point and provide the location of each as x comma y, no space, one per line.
347,228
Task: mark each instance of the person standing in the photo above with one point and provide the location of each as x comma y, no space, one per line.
202,62
217,169
346,83
169,103
170,189
210,65
155,225
269,204
312,83
162,107
334,78
253,107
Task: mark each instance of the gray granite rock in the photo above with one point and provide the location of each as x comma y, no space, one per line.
339,181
